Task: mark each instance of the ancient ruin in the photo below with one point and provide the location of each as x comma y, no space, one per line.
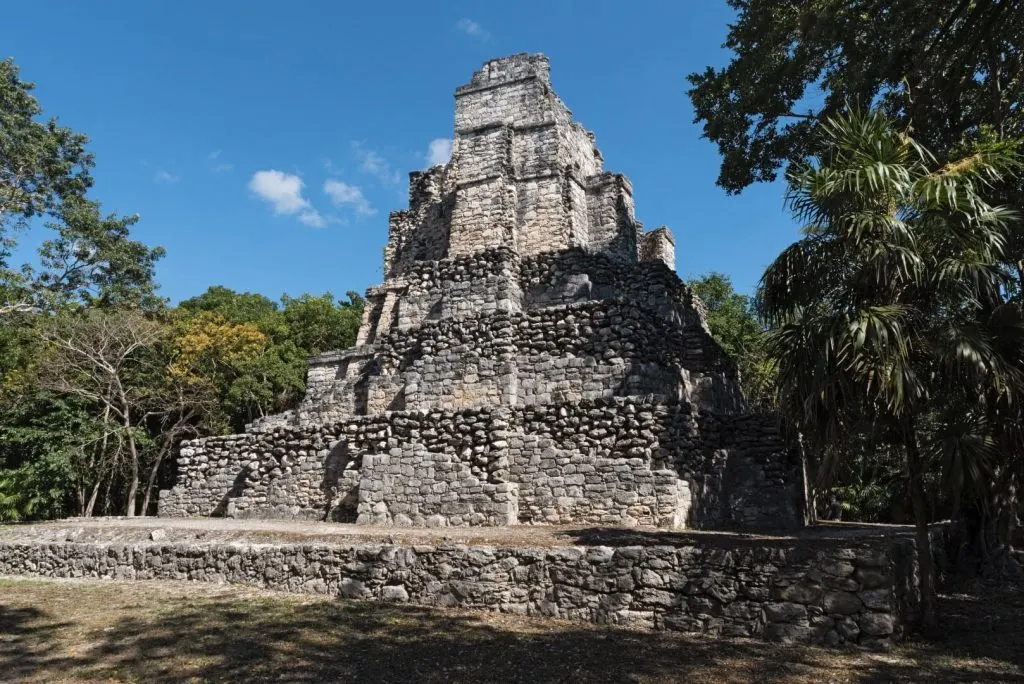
530,358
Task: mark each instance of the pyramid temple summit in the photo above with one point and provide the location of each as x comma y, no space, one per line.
530,358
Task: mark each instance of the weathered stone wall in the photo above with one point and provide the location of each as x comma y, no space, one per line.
556,326
279,472
604,350
618,461
422,232
852,591
484,217
760,485
658,245
435,469
613,229
602,462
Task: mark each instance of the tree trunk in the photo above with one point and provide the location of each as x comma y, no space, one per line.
133,453
928,618
152,480
92,498
810,495
96,460
106,496
133,489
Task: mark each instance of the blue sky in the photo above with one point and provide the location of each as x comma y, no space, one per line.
264,143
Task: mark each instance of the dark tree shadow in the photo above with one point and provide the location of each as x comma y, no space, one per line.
812,537
157,638
27,640
236,491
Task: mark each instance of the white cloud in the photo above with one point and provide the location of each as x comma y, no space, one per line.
165,177
312,217
439,151
282,190
372,163
284,193
343,194
219,167
472,28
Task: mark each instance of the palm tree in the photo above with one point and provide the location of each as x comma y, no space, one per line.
890,311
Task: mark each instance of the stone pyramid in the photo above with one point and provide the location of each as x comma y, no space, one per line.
531,357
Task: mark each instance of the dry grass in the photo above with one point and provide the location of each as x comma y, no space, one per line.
163,632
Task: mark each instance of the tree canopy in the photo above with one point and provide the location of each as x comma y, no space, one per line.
888,314
732,319
99,378
948,76
41,162
945,69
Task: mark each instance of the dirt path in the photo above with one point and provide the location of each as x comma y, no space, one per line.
55,631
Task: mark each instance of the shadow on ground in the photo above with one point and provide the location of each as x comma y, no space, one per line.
165,633
809,537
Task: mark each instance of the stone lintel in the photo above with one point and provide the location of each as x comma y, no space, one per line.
462,91
471,131
331,357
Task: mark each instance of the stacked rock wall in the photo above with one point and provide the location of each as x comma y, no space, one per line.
833,591
617,461
516,327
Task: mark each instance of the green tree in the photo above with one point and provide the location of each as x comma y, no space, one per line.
250,385
107,360
238,307
43,445
951,72
272,380
53,449
93,262
236,361
319,324
946,68
733,322
45,172
42,164
888,316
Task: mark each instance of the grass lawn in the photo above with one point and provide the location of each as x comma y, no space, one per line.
162,632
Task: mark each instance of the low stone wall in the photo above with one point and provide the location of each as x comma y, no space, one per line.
821,591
